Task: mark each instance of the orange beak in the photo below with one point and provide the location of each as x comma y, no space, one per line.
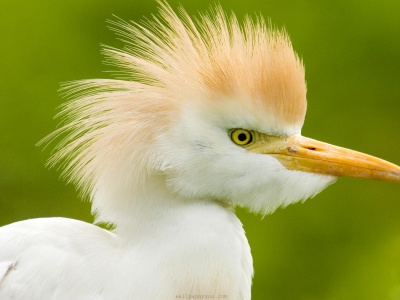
308,155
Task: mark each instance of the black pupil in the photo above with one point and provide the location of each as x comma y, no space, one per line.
242,137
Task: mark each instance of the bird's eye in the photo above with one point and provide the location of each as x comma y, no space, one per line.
241,137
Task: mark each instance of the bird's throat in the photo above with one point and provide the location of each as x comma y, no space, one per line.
189,234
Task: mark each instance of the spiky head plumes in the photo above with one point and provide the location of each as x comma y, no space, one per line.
185,85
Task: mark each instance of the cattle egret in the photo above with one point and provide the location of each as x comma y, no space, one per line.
206,116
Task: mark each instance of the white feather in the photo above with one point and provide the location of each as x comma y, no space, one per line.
157,162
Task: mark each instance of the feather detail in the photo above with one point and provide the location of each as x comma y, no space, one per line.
167,61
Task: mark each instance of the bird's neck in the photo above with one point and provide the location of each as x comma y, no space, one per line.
187,234
133,209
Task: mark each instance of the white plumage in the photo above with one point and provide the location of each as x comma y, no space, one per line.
207,117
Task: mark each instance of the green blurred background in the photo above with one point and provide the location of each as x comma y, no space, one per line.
343,244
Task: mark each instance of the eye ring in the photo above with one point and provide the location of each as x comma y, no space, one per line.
241,137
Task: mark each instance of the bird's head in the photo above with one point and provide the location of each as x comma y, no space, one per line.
213,107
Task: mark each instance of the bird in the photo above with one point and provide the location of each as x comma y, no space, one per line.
204,115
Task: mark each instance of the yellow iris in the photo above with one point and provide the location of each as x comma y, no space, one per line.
241,137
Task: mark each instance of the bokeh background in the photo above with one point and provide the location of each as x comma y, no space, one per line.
344,243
